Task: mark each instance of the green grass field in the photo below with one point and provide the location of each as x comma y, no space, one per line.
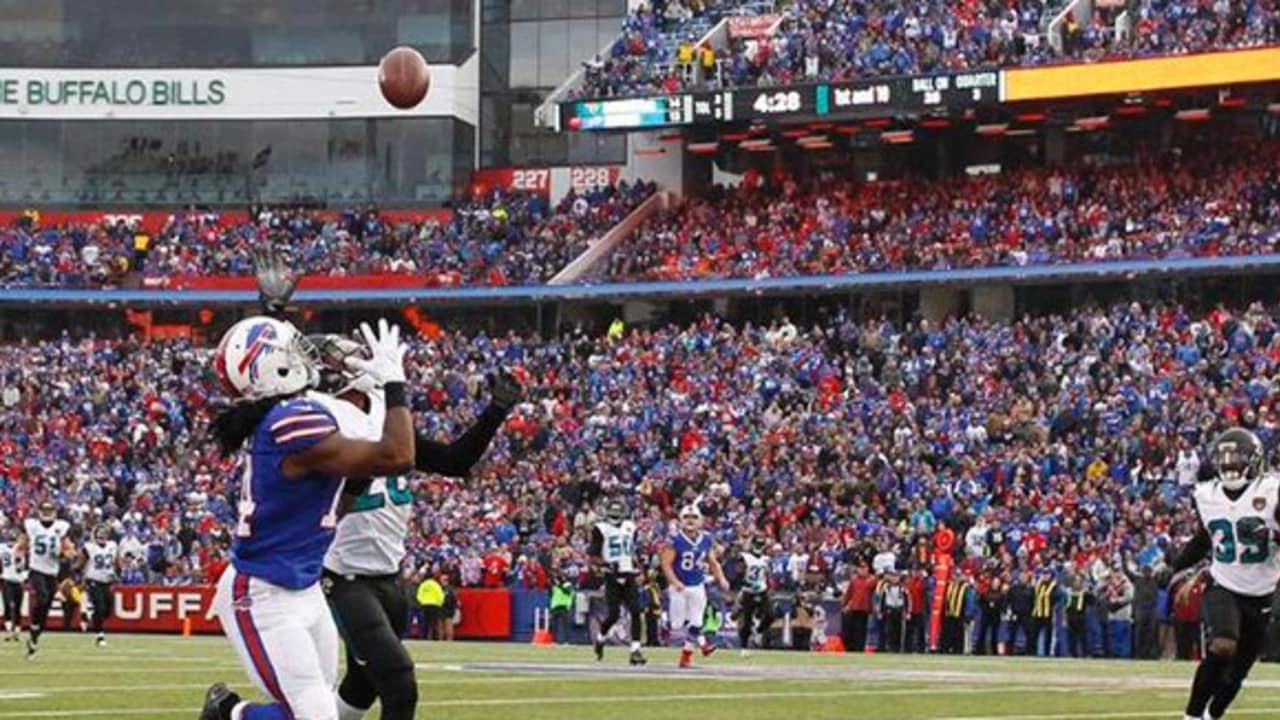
165,677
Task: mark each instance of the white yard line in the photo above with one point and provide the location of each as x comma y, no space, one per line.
568,700
1164,712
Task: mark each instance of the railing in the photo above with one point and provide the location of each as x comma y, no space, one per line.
1082,9
809,284
605,244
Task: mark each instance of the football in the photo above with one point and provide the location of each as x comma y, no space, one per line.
403,77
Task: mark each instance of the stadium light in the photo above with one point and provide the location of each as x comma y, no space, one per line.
1193,115
992,129
1094,122
898,137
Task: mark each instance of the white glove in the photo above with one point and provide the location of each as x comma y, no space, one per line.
386,354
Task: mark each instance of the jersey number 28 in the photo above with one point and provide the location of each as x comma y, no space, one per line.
397,491
1248,533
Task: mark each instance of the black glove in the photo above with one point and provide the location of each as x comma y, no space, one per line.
275,280
506,391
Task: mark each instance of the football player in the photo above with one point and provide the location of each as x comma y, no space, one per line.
685,561
101,563
1238,510
269,600
12,575
753,600
45,545
613,552
362,566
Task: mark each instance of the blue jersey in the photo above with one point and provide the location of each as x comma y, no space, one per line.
286,524
690,564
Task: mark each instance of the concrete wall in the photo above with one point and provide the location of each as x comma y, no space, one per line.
992,301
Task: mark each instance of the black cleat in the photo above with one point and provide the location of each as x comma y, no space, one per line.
31,649
637,658
599,648
218,702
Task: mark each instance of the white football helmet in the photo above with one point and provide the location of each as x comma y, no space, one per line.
691,518
261,357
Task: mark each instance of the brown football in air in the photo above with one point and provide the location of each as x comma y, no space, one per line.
403,77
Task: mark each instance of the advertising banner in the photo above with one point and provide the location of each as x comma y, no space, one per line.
1236,67
225,94
752,26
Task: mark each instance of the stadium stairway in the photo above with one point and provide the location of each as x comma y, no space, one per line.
600,248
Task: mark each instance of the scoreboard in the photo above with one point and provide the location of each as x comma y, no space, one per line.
861,98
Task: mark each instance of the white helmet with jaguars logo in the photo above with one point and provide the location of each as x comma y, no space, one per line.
261,357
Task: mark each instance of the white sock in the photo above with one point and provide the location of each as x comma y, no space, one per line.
702,641
635,646
688,646
347,712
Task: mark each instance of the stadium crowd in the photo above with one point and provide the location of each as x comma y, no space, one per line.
505,238
1047,449
1205,204
841,40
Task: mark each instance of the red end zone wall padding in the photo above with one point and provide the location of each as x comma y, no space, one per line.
152,608
485,614
155,608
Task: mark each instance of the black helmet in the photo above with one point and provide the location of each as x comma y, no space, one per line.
331,354
759,545
616,511
1237,458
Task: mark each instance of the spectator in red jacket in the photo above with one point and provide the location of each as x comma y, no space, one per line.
1187,594
915,611
857,608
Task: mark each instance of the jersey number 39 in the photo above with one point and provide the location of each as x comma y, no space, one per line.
1248,534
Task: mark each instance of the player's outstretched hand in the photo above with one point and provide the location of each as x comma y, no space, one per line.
506,389
385,363
276,282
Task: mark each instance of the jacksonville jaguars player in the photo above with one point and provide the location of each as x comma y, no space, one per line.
13,574
361,567
269,599
613,552
101,561
685,561
46,544
753,599
1239,509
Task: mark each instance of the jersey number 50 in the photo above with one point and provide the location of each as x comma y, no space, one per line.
1249,532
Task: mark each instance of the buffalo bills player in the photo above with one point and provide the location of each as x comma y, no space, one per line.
269,599
361,569
685,561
